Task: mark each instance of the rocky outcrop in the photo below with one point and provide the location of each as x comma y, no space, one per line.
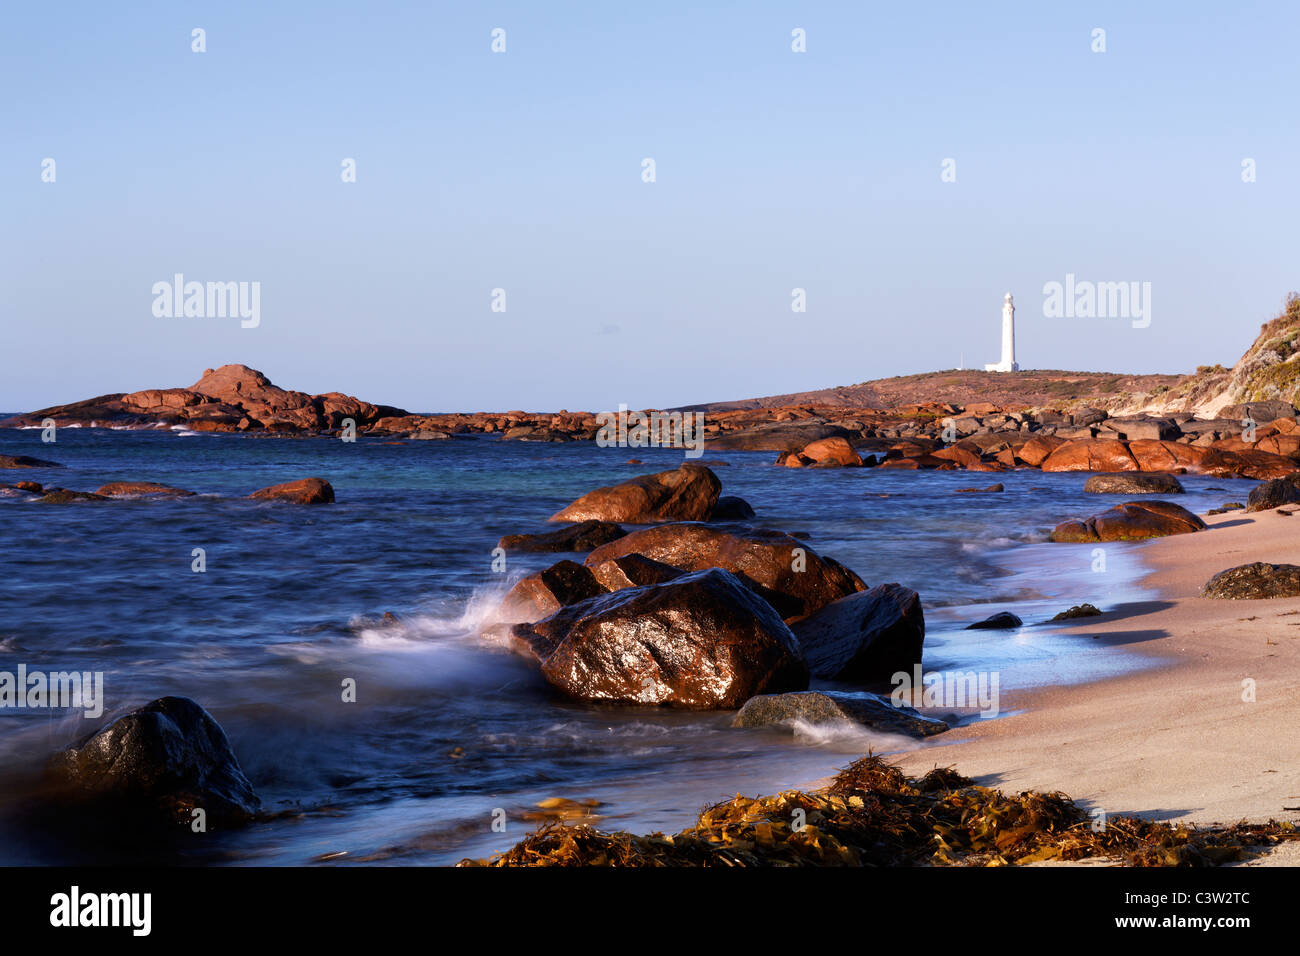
687,493
305,491
583,536
1133,484
1131,521
702,641
811,707
787,572
867,636
160,762
232,398
1254,581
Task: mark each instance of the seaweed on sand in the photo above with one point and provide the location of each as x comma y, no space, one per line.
872,814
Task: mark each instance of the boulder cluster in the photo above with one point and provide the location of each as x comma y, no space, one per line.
690,613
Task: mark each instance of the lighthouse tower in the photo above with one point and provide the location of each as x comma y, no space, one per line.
1008,363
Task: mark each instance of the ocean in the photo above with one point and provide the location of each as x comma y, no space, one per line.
450,733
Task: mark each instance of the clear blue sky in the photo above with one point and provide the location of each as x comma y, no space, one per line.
522,171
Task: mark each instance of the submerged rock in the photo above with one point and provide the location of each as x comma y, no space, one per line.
305,491
22,461
1002,621
124,489
62,496
1131,521
583,536
1254,581
687,493
788,573
1140,483
869,710
161,762
867,636
702,641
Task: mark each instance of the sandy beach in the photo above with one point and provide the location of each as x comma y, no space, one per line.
1176,742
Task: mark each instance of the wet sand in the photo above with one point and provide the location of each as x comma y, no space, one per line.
1176,742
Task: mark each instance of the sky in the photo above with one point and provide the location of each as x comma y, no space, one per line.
912,165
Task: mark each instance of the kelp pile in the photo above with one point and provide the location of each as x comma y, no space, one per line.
874,815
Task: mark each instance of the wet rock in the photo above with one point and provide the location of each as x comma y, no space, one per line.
703,641
1133,484
867,636
22,461
732,508
632,571
129,489
980,491
160,762
543,593
1254,581
787,572
583,536
305,491
834,452
1131,521
1274,494
812,707
1079,610
1002,621
688,493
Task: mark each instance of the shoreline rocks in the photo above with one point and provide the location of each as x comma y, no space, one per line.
813,707
1131,521
787,572
688,493
1274,493
1001,621
160,762
1139,483
868,636
582,536
702,641
1255,581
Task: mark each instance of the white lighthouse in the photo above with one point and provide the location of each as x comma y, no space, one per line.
1008,363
